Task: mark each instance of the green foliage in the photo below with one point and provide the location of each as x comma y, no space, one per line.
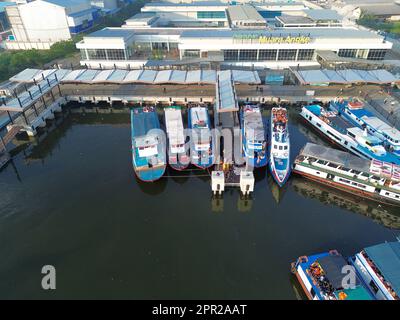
372,22
12,62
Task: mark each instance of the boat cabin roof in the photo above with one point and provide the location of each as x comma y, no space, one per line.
146,141
382,126
386,257
360,132
333,265
143,120
254,125
342,158
174,125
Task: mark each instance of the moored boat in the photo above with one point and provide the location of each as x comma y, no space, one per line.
253,136
346,135
322,277
201,152
178,155
355,112
279,161
379,268
374,179
148,147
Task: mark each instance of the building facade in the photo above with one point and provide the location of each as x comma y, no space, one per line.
178,35
63,18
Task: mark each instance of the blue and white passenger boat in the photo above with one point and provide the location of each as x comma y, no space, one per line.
148,147
322,277
355,112
201,152
343,133
279,161
178,153
253,136
379,268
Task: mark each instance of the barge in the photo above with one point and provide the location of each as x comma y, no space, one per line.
202,155
148,147
178,155
376,180
322,277
379,267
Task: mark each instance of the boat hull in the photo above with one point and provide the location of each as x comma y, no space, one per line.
346,188
149,175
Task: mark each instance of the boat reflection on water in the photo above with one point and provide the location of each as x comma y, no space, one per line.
386,215
244,204
277,192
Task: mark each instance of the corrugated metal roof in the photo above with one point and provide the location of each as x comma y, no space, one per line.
117,76
386,256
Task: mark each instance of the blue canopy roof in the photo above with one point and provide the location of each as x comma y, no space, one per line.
386,257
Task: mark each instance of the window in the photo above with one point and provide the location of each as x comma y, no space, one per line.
347,53
211,15
373,286
287,54
115,54
231,55
267,54
247,55
83,54
305,54
376,54
191,53
97,54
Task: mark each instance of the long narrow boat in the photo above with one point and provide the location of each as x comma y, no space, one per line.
279,161
376,180
201,152
355,112
253,136
148,147
322,277
178,157
379,268
341,132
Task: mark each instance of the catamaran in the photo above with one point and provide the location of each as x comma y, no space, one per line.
355,112
201,141
372,179
322,277
279,161
344,134
178,157
253,136
379,267
148,148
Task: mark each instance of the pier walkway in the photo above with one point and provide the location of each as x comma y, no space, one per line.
231,171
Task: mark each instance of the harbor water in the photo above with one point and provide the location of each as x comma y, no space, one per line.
70,199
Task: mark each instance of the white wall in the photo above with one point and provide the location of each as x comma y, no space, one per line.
44,22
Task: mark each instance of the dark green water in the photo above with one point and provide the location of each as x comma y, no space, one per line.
71,200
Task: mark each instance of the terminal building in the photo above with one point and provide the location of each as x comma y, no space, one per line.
243,35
